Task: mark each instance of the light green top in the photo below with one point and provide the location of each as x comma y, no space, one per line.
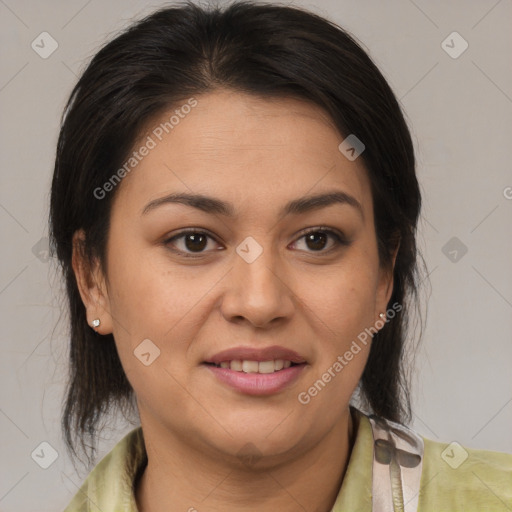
450,482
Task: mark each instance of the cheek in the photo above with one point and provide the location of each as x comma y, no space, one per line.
150,294
344,311
346,301
328,389
342,350
153,320
155,300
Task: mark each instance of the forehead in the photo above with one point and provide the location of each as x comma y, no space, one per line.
248,150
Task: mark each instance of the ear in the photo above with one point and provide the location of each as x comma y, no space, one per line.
385,284
91,285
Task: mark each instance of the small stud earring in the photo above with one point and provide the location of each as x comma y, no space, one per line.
383,316
96,323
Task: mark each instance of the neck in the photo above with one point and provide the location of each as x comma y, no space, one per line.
181,477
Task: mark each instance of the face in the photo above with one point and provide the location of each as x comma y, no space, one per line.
251,274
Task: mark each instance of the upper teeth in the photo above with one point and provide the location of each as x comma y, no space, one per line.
256,366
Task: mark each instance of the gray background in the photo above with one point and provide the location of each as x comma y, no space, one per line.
460,112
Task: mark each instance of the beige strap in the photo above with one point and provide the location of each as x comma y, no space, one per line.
397,466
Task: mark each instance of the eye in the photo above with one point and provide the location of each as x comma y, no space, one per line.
193,240
317,238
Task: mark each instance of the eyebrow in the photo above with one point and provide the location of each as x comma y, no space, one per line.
295,207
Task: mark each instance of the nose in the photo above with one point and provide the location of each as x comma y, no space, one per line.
258,291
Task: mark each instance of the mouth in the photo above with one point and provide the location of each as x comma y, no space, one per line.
249,366
245,358
256,371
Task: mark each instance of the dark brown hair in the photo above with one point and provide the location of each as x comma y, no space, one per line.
261,49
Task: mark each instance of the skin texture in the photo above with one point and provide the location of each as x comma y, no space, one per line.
257,154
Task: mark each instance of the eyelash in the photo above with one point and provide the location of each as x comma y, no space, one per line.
340,241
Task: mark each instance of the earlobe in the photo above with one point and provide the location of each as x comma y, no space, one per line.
387,282
91,286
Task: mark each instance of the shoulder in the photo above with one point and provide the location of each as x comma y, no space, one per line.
109,486
455,477
435,476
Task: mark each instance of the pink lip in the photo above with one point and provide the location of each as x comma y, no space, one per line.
256,354
257,383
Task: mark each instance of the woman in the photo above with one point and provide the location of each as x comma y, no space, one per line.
234,205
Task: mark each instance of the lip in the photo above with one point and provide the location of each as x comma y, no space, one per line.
257,383
256,354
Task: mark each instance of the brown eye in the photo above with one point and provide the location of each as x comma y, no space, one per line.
317,240
195,241
191,241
